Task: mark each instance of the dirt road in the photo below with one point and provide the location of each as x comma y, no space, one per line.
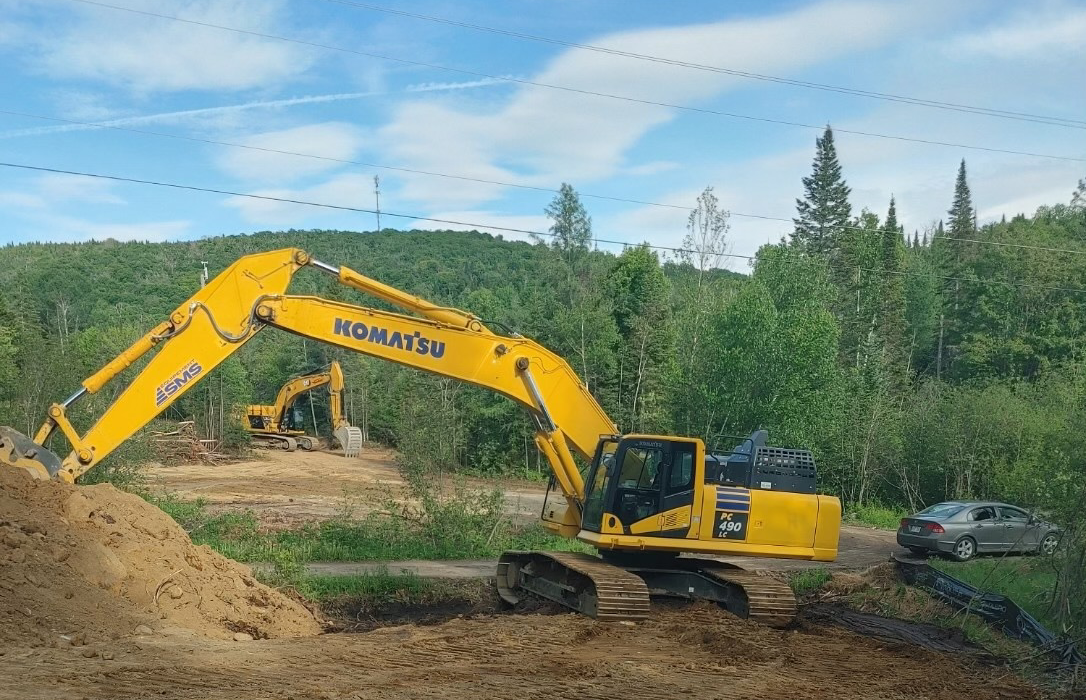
286,489
698,653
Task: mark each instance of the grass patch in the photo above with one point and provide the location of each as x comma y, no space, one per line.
1028,581
915,605
375,537
376,588
808,581
875,515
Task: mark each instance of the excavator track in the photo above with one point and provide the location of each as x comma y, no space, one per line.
769,601
581,582
608,592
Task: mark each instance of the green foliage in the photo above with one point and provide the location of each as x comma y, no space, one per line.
375,588
807,581
1028,581
875,515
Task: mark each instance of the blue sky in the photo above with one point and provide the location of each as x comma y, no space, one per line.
87,63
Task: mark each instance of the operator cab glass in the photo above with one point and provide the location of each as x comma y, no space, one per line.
638,478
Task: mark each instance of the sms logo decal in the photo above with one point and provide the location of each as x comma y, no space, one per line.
182,377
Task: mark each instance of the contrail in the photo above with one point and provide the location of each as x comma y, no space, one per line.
231,109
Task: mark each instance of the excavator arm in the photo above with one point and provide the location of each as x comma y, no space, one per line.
251,294
335,396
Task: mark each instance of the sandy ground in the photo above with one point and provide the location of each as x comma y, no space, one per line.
70,635
697,653
286,489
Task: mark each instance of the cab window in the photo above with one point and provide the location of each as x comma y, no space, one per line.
681,477
982,514
641,467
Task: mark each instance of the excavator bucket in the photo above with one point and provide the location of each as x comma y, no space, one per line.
17,450
350,439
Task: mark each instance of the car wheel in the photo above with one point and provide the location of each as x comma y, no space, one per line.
964,549
919,551
1049,543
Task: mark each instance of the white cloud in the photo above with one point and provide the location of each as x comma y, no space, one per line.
1032,33
151,54
58,189
346,190
332,140
543,136
55,190
73,229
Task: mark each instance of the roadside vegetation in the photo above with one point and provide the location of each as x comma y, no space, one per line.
1028,581
874,515
373,537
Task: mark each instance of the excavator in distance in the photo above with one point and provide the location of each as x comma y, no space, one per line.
280,425
642,501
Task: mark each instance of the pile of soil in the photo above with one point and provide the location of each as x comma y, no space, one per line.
79,562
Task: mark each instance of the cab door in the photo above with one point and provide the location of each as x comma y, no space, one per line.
677,506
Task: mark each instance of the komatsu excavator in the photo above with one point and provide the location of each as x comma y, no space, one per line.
280,425
642,501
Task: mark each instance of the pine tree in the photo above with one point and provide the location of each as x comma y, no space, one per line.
961,212
824,212
892,313
916,239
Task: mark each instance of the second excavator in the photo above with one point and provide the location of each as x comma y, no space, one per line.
656,507
280,425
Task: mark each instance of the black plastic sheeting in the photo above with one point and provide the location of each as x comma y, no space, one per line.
997,609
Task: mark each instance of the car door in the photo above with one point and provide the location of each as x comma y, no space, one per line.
1015,529
985,528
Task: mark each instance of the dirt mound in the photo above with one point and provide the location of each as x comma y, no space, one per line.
92,561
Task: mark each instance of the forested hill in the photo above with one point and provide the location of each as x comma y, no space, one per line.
97,284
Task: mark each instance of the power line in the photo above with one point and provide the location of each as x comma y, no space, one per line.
510,229
535,188
936,104
580,91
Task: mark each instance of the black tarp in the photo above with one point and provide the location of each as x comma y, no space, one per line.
999,610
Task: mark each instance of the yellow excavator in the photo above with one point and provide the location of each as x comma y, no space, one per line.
280,425
641,501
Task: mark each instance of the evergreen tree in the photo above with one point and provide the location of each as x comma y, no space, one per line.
824,211
916,239
892,321
962,222
572,227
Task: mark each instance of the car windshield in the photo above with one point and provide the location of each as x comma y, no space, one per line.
941,510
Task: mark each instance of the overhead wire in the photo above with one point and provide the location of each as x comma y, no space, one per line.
937,104
476,225
535,188
580,91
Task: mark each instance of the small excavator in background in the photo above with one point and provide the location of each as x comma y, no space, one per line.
280,425
645,502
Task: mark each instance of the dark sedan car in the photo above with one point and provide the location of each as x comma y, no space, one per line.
963,529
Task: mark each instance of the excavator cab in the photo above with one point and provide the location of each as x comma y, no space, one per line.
637,484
